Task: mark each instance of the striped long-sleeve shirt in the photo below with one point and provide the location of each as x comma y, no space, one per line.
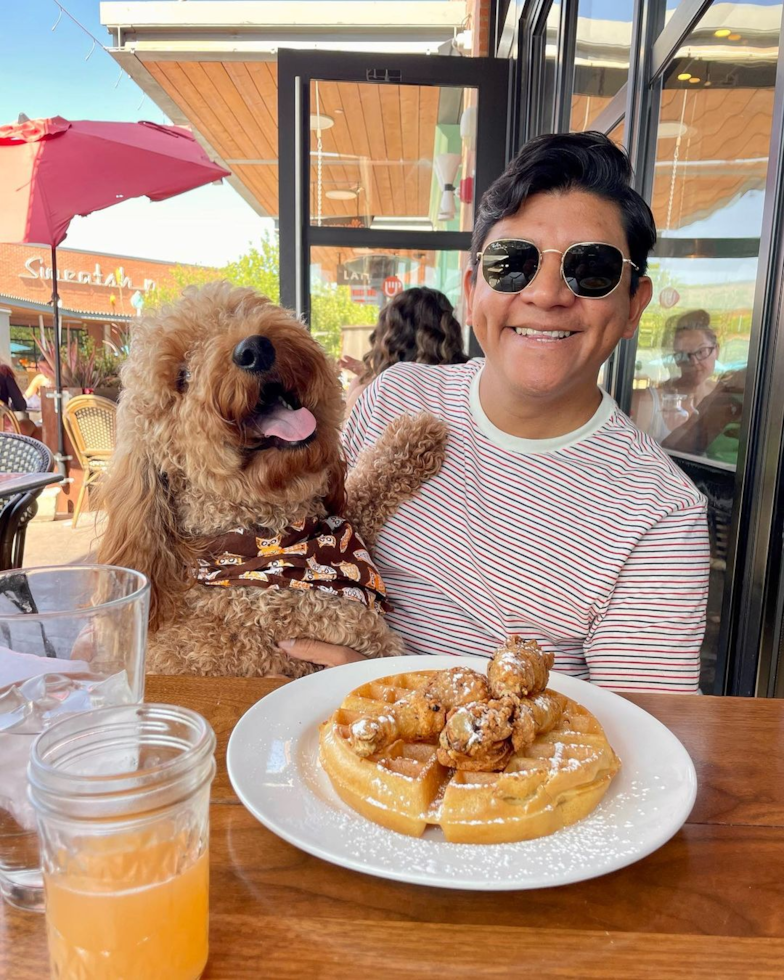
594,543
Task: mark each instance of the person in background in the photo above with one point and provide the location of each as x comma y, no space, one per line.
418,326
33,392
659,410
11,395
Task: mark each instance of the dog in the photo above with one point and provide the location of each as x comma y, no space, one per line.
228,489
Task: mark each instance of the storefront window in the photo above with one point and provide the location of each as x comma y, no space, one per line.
618,133
550,60
400,157
716,112
601,61
350,285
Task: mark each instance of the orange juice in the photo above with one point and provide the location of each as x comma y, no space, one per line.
123,911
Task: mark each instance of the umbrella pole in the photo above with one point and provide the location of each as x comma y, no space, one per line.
60,456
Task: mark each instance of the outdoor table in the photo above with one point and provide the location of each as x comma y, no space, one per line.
11,483
710,903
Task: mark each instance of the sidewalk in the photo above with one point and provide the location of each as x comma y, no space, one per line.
57,543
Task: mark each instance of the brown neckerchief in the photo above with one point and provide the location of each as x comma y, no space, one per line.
325,554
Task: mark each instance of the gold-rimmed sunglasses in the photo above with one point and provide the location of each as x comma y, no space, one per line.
591,270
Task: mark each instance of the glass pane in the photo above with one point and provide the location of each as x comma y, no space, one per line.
548,70
601,61
392,156
618,134
708,195
350,285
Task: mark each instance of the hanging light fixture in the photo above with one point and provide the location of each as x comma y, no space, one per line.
468,126
446,166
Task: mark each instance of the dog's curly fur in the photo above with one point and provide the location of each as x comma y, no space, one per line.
190,465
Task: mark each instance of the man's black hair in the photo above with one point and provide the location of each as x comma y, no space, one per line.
565,162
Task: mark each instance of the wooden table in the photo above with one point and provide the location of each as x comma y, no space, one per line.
710,903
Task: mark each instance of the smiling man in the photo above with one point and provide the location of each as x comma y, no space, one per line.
553,517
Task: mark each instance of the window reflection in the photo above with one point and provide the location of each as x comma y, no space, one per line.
711,165
350,285
601,62
716,110
550,57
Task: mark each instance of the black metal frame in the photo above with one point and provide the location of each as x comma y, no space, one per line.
296,69
751,642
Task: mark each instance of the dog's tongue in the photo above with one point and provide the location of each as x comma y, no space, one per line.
289,424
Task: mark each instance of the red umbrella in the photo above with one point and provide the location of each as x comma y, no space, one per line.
52,169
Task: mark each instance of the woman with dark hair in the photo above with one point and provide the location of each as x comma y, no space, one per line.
417,326
659,410
10,393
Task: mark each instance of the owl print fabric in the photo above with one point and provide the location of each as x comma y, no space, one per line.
325,554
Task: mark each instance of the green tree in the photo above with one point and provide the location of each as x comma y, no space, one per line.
331,305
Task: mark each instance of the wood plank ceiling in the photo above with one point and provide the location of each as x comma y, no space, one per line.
381,142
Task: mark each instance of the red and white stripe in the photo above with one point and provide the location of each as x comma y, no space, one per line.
595,545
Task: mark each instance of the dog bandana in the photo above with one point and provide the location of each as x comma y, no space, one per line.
319,554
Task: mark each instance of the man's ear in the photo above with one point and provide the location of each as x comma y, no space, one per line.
468,292
637,304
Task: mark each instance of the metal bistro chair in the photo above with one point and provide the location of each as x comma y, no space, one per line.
19,454
91,424
8,420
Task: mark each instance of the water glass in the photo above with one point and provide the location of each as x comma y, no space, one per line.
72,638
122,802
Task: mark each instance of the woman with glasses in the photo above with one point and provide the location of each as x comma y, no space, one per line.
659,410
553,517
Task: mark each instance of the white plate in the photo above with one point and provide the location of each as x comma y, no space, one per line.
273,766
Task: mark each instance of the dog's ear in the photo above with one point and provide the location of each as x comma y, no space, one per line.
141,531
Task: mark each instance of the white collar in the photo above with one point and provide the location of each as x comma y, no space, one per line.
517,444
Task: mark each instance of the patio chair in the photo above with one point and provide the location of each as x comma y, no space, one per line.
8,420
90,422
19,454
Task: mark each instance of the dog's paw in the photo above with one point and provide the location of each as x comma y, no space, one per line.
416,441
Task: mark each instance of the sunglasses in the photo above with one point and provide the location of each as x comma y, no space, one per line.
591,270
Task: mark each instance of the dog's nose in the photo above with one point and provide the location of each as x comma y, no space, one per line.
254,354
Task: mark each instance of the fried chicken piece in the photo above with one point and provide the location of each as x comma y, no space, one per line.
419,718
457,686
367,736
519,667
414,718
477,736
535,716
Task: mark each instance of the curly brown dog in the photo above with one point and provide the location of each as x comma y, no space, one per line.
229,423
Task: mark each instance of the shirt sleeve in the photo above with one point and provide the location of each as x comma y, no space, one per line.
649,635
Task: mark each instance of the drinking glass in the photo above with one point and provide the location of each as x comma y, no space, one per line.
121,796
72,638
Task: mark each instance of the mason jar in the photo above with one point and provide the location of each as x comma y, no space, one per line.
121,796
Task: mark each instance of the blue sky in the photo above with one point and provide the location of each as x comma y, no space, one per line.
44,73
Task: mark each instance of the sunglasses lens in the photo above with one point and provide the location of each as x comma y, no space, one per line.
508,266
592,270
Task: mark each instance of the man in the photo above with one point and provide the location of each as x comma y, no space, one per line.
553,516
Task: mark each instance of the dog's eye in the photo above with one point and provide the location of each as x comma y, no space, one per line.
183,379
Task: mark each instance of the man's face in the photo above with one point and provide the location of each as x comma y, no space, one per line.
541,364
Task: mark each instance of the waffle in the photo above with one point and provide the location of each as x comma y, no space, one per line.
549,783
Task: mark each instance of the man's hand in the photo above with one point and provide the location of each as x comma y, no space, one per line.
316,652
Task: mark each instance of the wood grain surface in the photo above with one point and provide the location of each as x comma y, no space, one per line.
710,903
